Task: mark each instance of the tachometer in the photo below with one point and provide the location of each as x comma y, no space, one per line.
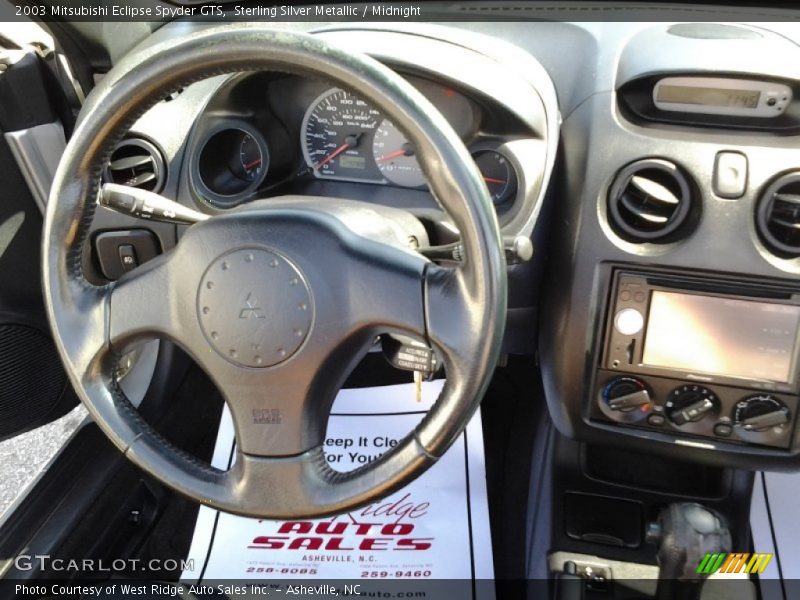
498,174
337,136
395,156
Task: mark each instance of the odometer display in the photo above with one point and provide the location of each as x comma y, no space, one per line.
352,162
337,134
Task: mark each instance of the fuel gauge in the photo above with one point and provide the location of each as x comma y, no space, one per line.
231,164
499,175
251,158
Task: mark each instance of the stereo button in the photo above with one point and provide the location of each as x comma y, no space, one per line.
629,321
730,175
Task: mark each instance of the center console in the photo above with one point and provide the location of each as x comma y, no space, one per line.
700,358
671,303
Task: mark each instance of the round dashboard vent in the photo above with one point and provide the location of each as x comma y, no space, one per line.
137,163
649,200
778,216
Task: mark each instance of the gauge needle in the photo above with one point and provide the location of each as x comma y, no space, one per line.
351,141
331,156
391,155
250,165
406,150
493,180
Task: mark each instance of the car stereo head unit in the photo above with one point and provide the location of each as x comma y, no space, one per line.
698,357
664,328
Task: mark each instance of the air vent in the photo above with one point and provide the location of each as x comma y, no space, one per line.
649,201
778,216
137,163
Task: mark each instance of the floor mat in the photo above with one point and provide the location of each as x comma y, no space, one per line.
432,533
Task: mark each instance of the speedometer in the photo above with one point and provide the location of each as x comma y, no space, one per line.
337,136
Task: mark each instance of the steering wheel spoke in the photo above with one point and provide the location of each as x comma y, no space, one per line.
448,322
305,486
144,304
455,332
279,411
387,290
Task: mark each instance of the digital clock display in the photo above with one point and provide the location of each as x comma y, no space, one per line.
708,96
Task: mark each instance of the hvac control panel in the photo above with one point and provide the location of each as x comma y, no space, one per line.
689,360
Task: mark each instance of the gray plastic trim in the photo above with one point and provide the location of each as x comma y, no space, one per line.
658,50
38,151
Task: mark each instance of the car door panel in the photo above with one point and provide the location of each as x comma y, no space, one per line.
33,386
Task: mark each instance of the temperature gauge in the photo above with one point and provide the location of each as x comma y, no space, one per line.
499,175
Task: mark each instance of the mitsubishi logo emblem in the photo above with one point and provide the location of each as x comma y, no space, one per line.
251,309
255,310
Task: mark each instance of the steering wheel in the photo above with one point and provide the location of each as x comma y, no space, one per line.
277,301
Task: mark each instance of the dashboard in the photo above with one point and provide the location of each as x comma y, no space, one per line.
659,188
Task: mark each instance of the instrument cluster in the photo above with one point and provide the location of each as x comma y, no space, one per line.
263,137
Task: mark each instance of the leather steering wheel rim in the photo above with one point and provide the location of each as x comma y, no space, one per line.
461,309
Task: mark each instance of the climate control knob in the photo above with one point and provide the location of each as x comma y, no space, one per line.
760,412
690,403
626,399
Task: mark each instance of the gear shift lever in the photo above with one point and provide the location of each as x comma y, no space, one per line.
684,534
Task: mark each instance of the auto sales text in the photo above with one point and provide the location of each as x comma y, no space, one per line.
342,536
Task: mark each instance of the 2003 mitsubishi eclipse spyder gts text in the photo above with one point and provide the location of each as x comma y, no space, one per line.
439,300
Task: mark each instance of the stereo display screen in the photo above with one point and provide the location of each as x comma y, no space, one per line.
722,336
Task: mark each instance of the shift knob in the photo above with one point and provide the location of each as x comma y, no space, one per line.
685,533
